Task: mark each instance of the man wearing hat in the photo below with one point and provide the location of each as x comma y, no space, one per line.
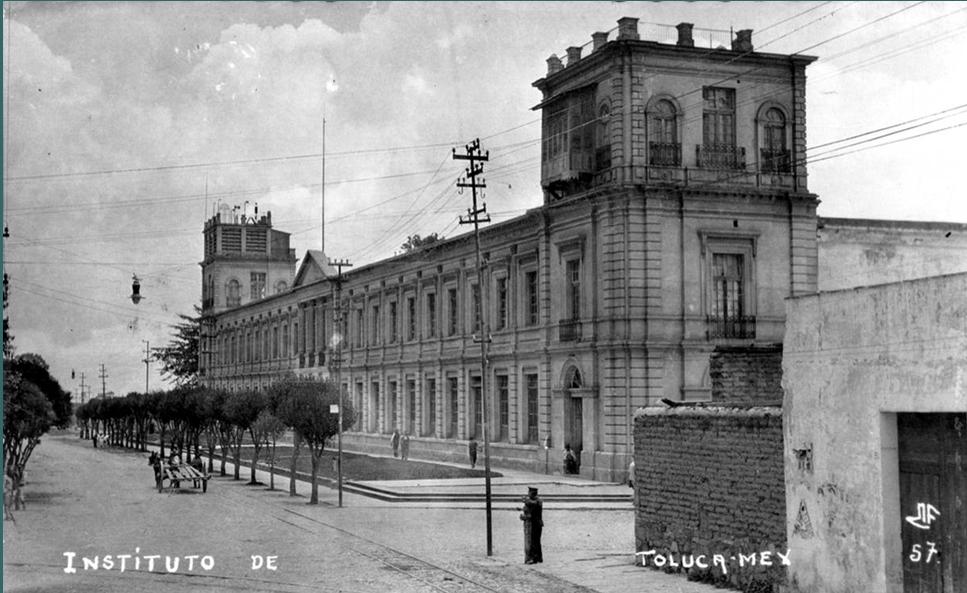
533,517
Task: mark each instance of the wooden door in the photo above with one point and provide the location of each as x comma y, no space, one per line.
933,497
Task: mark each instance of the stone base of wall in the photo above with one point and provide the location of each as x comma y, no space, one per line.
601,466
523,457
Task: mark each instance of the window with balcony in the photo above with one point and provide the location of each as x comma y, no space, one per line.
257,284
358,323
531,298
431,315
410,318
374,325
664,149
569,134
729,263
570,325
393,322
233,293
476,312
774,152
718,149
453,312
502,313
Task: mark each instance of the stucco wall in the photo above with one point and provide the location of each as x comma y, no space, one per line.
853,359
859,252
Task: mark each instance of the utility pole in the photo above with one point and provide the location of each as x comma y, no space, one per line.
82,389
103,377
335,358
147,362
475,216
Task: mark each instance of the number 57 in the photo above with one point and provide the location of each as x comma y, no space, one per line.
916,553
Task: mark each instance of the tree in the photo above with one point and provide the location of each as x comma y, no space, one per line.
305,406
267,429
179,359
242,410
33,402
211,402
415,242
33,368
27,415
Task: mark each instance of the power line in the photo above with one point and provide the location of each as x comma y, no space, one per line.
295,157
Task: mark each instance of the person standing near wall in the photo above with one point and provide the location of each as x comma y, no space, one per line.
570,461
533,517
405,447
395,442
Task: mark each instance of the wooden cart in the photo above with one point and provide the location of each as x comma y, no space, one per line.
176,474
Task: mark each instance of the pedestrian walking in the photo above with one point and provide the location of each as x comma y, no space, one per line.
405,447
570,461
94,438
533,517
395,442
472,450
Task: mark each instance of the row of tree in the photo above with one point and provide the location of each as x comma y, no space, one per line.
190,420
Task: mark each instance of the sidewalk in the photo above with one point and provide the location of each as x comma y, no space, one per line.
103,502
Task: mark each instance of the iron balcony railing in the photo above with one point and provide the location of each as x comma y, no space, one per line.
665,154
774,161
569,330
720,156
738,327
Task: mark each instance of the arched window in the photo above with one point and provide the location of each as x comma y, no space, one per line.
602,138
281,286
664,148
773,154
233,293
572,379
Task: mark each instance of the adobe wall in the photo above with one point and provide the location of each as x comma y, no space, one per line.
710,482
854,359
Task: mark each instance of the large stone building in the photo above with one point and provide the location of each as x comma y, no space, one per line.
676,219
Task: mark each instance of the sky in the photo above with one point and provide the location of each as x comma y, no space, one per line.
127,123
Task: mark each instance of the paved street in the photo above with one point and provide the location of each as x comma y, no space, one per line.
102,502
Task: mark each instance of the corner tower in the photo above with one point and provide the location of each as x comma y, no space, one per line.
245,260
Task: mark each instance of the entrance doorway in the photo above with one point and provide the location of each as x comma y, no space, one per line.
574,413
933,501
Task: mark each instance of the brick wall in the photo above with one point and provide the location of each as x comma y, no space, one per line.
710,481
746,374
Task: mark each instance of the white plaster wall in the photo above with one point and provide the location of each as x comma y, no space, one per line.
852,360
856,252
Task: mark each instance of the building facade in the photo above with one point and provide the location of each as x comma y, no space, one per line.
676,219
